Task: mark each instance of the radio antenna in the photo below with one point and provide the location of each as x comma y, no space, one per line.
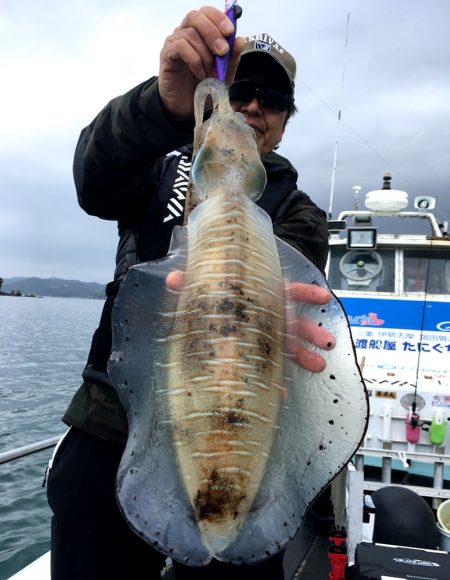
338,127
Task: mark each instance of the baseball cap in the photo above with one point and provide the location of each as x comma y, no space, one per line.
265,44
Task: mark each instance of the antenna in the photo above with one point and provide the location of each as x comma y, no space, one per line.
333,173
356,191
387,180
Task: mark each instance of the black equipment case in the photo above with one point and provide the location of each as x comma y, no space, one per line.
382,561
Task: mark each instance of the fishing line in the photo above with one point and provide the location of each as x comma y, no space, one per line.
341,119
352,129
422,324
439,212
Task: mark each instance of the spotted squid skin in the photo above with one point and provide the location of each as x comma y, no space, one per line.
226,354
215,465
226,368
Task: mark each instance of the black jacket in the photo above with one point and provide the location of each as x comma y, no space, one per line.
126,169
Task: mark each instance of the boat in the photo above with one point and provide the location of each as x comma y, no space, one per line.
395,288
394,284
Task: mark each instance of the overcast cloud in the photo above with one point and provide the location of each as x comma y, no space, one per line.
62,61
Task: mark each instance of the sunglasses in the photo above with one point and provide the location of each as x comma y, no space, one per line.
245,91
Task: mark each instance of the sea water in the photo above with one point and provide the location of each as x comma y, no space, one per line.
44,344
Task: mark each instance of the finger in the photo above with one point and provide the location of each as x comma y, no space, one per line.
305,329
186,48
307,293
174,280
219,19
308,360
212,26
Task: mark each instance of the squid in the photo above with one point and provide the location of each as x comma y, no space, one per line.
230,440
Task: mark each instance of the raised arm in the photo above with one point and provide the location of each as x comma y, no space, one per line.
116,157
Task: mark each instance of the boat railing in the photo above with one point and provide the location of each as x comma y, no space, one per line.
366,216
19,452
439,459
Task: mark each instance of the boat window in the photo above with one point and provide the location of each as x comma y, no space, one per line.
423,271
363,270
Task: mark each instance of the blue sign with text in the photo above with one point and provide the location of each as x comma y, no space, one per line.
396,313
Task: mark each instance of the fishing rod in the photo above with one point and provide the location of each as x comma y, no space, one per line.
413,421
338,127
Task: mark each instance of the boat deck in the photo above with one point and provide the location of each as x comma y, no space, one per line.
306,556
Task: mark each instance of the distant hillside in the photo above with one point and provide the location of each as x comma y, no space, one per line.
55,287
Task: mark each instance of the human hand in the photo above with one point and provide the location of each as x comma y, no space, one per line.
303,332
187,58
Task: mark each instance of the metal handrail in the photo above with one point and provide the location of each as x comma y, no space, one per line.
7,456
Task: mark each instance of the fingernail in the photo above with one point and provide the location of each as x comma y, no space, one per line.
226,26
323,294
221,47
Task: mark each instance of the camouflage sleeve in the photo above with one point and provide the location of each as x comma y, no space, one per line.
303,225
116,156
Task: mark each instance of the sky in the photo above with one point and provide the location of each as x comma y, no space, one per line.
383,63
